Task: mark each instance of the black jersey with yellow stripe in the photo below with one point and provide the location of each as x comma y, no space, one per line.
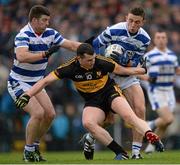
88,82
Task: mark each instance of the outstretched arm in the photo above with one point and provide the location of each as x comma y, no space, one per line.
128,70
70,45
23,100
41,84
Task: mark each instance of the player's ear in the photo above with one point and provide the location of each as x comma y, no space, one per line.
143,22
77,57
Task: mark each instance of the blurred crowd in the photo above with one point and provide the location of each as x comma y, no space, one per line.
75,20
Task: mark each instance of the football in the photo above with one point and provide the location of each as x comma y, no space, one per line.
114,47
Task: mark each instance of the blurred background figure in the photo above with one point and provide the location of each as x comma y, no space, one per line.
162,65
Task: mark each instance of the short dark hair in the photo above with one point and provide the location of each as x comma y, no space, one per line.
37,11
139,11
84,48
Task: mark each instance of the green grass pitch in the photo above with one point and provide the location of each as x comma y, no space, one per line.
101,157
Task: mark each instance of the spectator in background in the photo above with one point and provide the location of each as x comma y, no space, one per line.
162,65
34,44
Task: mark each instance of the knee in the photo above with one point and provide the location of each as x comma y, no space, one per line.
89,125
39,115
140,111
128,119
167,121
50,115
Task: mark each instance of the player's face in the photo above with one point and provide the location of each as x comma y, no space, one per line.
87,61
134,22
41,23
160,40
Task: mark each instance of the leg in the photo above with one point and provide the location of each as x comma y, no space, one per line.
121,107
165,118
135,97
88,141
163,102
92,119
49,114
36,115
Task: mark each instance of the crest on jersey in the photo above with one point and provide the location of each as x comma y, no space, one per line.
98,73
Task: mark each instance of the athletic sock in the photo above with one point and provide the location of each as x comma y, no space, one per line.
36,144
136,147
30,148
116,148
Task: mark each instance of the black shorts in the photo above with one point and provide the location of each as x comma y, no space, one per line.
104,99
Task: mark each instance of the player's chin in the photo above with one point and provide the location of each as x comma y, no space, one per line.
133,31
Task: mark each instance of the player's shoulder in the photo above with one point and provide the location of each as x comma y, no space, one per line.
171,53
24,32
103,59
120,25
144,33
51,30
153,53
69,63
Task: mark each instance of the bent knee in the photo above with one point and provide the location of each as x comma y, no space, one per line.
50,115
140,111
168,121
39,115
89,125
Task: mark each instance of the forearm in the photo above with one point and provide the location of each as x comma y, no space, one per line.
70,45
28,57
135,71
36,88
129,70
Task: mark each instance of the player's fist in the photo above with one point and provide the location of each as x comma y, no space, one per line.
50,51
115,56
22,101
120,58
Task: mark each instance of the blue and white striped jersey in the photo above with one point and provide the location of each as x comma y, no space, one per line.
135,46
32,72
162,65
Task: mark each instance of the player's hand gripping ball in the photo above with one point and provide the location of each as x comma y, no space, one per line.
116,53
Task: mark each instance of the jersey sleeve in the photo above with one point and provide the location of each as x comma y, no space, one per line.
21,40
103,39
62,72
58,38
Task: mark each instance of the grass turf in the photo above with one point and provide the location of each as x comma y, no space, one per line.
101,157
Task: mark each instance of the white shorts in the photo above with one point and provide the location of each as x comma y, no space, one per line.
17,88
161,98
124,82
